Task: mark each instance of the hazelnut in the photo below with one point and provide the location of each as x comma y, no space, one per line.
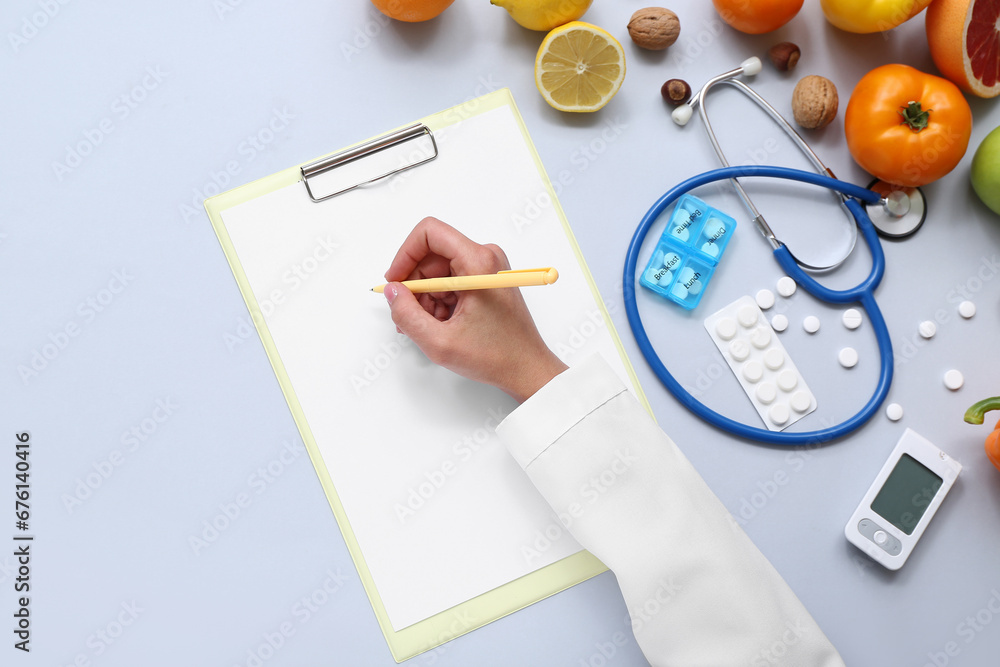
814,102
676,91
654,28
784,56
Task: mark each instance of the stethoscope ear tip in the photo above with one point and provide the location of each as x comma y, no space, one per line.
682,114
751,66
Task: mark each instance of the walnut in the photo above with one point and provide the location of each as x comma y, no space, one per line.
654,28
814,102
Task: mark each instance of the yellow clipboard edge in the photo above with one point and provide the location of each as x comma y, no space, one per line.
499,602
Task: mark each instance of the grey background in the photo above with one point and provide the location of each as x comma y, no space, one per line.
123,227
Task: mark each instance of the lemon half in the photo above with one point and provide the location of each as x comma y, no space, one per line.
579,67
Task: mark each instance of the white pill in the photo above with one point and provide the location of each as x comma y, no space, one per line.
680,233
761,337
765,299
695,287
665,279
774,359
787,380
786,286
710,249
800,401
747,315
650,275
739,349
670,260
766,393
966,309
726,328
894,412
753,371
779,322
779,413
954,380
848,357
679,290
811,324
852,318
927,329
714,229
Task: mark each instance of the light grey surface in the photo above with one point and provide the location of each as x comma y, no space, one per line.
202,81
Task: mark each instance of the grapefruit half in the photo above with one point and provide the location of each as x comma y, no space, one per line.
964,37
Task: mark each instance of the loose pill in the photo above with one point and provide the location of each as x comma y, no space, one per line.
811,324
848,357
774,359
787,380
766,393
966,309
800,401
739,349
894,412
779,322
786,286
954,380
747,315
726,328
778,413
852,318
753,371
765,299
761,337
927,329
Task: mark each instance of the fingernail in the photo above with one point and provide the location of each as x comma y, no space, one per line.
390,293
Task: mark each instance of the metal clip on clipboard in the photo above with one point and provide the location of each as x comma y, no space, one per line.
377,145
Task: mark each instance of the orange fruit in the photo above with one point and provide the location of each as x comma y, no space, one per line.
412,11
755,17
964,36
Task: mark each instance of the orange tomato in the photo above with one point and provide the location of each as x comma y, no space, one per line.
907,127
757,16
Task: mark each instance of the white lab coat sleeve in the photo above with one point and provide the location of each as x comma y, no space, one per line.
698,590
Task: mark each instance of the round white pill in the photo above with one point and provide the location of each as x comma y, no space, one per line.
650,275
786,286
761,337
779,413
665,279
679,290
811,324
680,233
966,309
753,371
739,349
726,328
711,249
695,288
714,229
670,260
894,412
787,380
954,379
852,318
765,299
848,357
927,329
800,401
774,359
779,322
747,315
766,393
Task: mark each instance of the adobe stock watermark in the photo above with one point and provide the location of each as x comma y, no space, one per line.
364,35
579,334
32,24
135,438
641,615
605,651
461,622
692,46
223,8
292,279
246,152
463,450
87,311
374,366
589,493
774,653
121,108
259,481
106,636
300,613
967,631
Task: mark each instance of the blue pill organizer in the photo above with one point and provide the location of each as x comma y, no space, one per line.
688,252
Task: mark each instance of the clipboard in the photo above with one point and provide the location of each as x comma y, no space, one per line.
360,193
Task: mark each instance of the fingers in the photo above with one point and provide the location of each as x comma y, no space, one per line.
434,248
415,319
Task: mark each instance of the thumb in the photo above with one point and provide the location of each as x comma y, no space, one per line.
408,315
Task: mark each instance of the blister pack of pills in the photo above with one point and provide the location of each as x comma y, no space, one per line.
688,252
761,363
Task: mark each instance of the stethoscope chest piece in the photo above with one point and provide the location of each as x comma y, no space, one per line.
901,212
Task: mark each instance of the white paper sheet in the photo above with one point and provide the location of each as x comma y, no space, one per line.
441,512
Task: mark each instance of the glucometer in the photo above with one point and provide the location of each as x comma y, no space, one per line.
902,500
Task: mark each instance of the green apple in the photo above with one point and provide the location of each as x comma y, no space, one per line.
986,171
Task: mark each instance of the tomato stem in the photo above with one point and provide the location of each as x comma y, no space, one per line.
977,412
914,116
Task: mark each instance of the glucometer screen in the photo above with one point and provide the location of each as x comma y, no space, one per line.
907,492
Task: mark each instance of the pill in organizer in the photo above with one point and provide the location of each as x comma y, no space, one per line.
759,360
688,252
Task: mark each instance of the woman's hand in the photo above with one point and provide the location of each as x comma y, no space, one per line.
484,335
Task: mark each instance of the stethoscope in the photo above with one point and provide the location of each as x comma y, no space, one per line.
896,206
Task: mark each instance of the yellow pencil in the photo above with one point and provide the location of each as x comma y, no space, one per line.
518,278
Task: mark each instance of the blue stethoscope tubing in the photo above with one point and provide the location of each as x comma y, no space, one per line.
863,294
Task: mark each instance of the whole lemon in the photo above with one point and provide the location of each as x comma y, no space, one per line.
544,15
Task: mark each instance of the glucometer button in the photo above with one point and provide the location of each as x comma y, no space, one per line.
880,537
